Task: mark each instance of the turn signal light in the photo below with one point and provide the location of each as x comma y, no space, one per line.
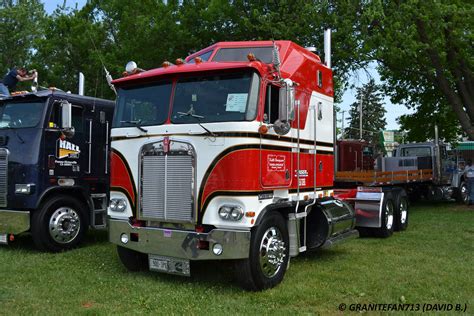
263,129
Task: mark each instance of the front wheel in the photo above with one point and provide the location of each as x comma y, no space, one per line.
60,224
463,193
132,260
268,257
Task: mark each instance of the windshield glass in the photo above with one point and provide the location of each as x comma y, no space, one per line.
216,98
145,105
21,115
416,152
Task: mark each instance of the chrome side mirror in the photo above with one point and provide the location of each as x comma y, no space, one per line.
286,109
66,119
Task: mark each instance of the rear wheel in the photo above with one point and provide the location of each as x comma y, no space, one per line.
60,224
268,257
401,211
387,218
132,260
463,193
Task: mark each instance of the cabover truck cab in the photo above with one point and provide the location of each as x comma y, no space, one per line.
54,168
227,156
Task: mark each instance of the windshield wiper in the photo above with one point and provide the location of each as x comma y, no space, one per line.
136,124
199,117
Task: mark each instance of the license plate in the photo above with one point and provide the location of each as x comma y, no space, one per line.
3,239
169,265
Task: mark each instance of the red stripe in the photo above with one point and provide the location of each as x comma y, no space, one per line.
120,176
246,169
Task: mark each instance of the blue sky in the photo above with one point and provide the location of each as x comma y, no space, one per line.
393,110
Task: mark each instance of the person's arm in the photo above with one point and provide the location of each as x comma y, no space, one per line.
26,78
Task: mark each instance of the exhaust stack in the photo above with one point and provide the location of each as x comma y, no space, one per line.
81,83
327,47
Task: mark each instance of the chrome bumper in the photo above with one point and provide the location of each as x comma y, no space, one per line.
14,222
180,244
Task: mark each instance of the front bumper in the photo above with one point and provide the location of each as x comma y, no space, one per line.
14,222
179,243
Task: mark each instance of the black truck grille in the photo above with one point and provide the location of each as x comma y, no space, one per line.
3,176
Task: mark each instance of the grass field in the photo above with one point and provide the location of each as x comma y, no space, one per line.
431,262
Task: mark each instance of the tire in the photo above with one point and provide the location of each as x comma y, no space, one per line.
400,219
388,207
132,260
260,271
60,224
462,195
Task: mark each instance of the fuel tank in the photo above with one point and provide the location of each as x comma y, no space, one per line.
329,221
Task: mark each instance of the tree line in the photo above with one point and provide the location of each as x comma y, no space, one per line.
423,49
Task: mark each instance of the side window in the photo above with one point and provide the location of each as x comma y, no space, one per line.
319,78
77,118
271,104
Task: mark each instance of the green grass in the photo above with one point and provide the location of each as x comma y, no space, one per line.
431,262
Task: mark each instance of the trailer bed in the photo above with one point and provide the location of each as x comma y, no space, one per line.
377,178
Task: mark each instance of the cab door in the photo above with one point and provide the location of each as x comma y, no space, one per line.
276,160
65,155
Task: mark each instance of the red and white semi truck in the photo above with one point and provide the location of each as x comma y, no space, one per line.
229,155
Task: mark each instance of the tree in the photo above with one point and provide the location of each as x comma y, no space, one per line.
424,50
20,25
373,114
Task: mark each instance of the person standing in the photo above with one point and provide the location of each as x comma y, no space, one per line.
469,176
13,77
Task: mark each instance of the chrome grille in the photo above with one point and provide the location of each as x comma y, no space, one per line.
3,177
167,185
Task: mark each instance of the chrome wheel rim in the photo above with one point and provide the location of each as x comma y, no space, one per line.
64,225
389,215
464,194
403,210
272,252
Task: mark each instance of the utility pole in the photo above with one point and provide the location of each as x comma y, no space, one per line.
360,117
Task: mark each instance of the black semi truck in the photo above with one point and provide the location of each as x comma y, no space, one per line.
54,167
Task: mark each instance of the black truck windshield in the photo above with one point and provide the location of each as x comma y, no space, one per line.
143,106
216,98
20,115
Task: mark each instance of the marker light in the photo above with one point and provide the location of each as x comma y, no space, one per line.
166,64
251,57
179,61
198,60
217,249
124,238
263,129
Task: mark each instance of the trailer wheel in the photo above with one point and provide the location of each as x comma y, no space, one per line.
132,260
401,211
268,257
386,230
60,224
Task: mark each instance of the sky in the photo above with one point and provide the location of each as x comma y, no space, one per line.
393,110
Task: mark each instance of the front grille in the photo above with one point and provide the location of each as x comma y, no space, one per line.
167,185
3,177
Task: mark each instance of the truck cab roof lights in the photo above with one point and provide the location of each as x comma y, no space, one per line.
131,69
166,64
251,57
179,61
198,60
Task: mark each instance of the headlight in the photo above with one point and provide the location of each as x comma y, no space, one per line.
224,212
237,213
24,188
232,213
118,205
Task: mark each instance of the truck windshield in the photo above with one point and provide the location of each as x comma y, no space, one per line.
216,98
143,106
20,115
